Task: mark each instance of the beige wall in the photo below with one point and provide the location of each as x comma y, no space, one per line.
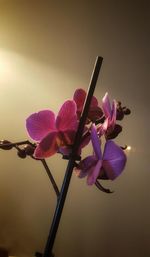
47,50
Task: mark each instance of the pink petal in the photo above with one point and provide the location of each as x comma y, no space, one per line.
114,160
67,137
96,142
94,173
67,117
94,102
79,98
40,124
48,146
106,106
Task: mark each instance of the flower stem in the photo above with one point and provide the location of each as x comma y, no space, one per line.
50,177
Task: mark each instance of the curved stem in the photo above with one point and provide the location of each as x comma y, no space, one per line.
51,177
100,187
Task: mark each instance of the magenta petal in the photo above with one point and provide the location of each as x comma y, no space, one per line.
94,102
67,137
79,98
94,173
106,106
67,117
39,124
48,146
96,142
114,160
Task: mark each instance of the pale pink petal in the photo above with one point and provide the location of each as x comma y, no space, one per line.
96,142
48,146
106,106
40,124
67,117
114,159
94,173
114,113
102,128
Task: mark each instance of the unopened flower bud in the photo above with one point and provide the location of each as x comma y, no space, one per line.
5,145
21,153
29,149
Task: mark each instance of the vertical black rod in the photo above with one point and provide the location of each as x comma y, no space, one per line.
71,163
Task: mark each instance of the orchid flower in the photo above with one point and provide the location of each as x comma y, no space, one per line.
95,111
53,134
110,164
109,111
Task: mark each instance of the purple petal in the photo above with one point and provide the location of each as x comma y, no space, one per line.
106,106
114,160
94,173
48,146
65,150
67,117
40,124
96,142
85,166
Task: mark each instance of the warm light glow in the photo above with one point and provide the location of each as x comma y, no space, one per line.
6,66
128,148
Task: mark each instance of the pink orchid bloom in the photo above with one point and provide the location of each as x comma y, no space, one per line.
97,166
95,111
53,134
110,112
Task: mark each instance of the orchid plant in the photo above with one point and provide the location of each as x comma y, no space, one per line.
55,134
80,120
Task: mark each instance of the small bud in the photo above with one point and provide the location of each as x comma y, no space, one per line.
29,149
5,145
114,133
126,111
120,114
21,153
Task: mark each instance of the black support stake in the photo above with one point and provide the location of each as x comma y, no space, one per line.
71,162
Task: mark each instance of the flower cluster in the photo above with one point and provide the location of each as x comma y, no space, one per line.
56,133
